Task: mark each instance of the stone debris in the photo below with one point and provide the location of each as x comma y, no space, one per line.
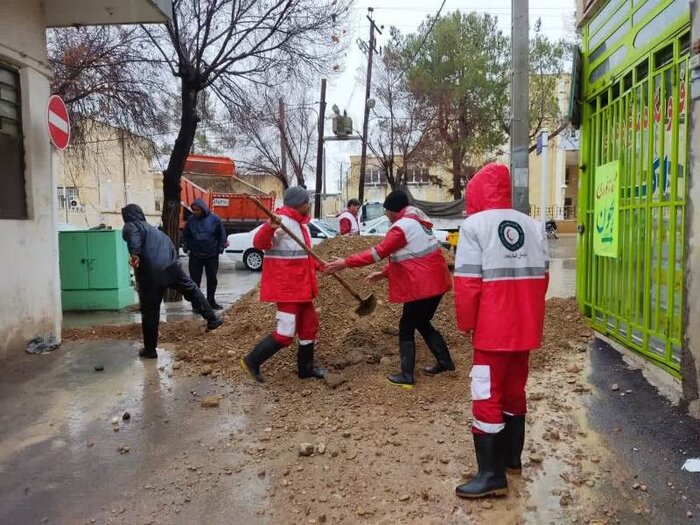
210,401
536,458
306,449
334,380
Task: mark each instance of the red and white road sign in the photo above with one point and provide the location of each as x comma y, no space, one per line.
58,122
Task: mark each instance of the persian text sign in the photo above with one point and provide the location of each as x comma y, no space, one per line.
607,210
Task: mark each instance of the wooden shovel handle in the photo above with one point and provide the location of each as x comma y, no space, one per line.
303,245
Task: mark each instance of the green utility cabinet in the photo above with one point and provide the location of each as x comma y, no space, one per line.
94,270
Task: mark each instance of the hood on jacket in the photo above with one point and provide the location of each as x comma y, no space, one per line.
489,189
203,205
419,215
132,213
293,214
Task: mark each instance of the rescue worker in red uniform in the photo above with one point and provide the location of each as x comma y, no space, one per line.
501,278
349,223
418,278
289,280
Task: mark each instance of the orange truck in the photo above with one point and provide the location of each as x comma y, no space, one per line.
211,179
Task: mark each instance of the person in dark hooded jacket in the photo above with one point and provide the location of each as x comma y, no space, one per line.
157,267
204,238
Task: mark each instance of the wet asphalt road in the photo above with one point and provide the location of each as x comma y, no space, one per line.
652,437
59,456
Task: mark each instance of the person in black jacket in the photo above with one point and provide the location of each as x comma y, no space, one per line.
157,267
204,238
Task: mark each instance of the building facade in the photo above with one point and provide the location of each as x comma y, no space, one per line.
99,176
428,183
31,303
634,178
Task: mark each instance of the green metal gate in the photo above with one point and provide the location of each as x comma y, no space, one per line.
635,113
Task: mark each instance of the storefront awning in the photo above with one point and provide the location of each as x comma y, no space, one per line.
65,13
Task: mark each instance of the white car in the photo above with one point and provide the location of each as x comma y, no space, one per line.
240,245
381,225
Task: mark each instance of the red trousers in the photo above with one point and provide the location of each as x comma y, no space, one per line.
498,388
296,319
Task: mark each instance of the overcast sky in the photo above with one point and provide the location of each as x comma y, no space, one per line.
347,89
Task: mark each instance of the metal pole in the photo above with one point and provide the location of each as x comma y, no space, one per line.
319,151
283,131
63,174
340,184
365,122
544,186
325,167
126,194
520,122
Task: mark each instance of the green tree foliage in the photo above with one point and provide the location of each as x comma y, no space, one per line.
458,67
460,70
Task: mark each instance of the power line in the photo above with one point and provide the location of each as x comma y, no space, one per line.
425,38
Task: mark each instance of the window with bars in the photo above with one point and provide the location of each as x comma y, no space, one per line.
13,200
68,197
375,177
417,176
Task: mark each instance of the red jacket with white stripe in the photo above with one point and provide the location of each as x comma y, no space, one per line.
349,225
501,268
289,274
417,267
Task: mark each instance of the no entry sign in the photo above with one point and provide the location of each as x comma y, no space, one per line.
58,122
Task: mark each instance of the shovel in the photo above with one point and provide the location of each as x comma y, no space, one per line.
366,306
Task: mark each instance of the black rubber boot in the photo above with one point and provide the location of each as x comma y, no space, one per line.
305,363
263,351
215,306
438,346
215,323
202,306
491,479
407,352
513,442
148,354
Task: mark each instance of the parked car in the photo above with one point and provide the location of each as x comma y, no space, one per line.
381,225
240,245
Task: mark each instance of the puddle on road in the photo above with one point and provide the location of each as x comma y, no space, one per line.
58,419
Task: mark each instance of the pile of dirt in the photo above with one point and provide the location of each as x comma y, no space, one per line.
344,339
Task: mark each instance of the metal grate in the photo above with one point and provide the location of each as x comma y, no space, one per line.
637,298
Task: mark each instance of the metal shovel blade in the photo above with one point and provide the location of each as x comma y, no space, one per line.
366,306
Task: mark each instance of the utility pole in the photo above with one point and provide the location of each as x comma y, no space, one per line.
544,183
368,88
325,189
520,96
283,137
340,183
319,150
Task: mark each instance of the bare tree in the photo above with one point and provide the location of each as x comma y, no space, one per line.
404,122
261,132
102,76
547,59
226,46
